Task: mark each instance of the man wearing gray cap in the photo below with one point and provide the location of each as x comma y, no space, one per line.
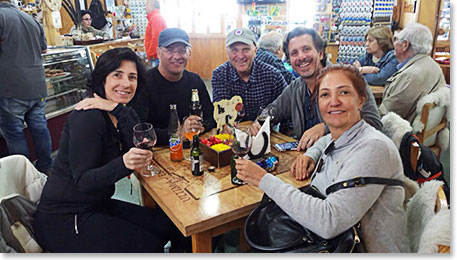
169,83
256,82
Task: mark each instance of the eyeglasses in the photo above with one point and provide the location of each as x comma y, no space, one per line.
179,51
87,19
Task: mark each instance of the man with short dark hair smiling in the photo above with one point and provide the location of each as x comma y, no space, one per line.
305,51
170,83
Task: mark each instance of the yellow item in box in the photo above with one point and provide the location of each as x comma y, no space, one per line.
222,137
220,147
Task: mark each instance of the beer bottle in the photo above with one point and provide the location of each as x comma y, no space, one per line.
195,107
174,128
196,157
235,180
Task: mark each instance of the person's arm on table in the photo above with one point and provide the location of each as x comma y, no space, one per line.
341,209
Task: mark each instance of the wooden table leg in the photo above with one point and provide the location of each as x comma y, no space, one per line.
202,242
148,201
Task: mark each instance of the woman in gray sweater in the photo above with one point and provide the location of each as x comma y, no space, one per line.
352,149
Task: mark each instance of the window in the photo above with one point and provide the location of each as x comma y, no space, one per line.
200,16
301,13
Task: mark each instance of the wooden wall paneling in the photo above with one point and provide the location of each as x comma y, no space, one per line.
332,49
428,13
208,52
407,12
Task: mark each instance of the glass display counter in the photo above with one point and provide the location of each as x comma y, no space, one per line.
67,69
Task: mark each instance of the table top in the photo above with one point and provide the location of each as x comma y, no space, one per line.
199,203
377,91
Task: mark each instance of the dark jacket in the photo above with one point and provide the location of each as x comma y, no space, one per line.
387,67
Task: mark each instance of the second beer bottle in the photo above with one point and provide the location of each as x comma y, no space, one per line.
196,157
174,128
195,106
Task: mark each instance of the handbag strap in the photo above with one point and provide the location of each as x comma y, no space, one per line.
362,181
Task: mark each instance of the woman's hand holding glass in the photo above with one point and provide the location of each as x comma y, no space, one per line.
144,137
249,172
137,159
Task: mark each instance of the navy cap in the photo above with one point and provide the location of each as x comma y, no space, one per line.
173,35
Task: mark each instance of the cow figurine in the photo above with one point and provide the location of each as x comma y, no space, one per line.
226,111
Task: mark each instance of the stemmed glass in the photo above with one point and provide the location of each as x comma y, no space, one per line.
189,134
241,112
264,113
240,142
144,137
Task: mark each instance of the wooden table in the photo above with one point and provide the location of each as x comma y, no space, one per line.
378,91
209,205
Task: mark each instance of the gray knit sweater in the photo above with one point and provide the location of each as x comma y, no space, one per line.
360,151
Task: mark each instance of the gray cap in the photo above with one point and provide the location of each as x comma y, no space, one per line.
240,35
172,35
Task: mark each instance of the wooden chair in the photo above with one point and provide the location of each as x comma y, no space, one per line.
432,119
429,132
429,220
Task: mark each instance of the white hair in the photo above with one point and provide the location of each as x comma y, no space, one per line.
271,41
419,37
153,3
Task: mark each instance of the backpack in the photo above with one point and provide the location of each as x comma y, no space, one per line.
429,166
97,14
16,225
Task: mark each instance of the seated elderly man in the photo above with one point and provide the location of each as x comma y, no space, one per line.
418,74
270,51
256,82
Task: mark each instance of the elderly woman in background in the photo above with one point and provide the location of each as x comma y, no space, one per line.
380,62
353,148
76,213
85,30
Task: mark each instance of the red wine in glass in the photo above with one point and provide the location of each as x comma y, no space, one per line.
240,143
144,137
240,151
145,145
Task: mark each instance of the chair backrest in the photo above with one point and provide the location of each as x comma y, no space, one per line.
432,112
19,176
422,208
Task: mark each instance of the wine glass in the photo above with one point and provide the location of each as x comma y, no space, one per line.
144,137
189,133
240,142
264,113
241,112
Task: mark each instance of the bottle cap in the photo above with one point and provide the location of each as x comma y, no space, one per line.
211,168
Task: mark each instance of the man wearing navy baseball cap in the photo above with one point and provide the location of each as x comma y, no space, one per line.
170,83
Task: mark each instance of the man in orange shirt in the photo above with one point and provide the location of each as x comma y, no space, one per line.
156,24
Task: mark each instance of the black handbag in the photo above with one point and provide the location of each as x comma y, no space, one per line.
269,229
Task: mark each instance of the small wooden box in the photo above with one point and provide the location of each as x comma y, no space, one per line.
215,158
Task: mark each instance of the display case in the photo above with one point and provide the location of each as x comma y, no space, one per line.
67,69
